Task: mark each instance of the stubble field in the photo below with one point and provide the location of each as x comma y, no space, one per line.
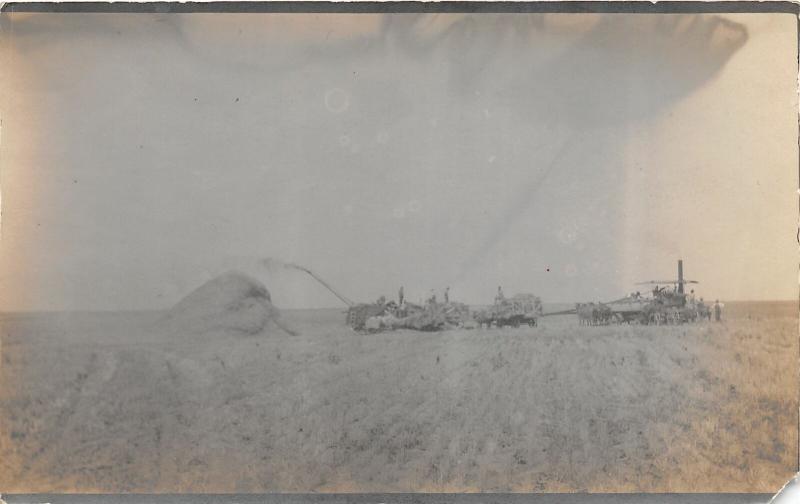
113,402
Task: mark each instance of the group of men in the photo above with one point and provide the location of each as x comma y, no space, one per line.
716,308
401,297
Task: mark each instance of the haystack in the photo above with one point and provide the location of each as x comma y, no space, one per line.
232,301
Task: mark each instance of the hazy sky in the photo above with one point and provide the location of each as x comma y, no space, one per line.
565,155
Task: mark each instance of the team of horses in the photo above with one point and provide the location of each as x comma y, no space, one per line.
594,314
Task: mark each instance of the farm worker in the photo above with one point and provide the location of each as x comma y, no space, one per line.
400,296
717,311
447,295
500,297
432,298
706,311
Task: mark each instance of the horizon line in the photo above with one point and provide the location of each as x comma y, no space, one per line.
138,310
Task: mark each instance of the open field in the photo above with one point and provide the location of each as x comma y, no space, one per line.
115,402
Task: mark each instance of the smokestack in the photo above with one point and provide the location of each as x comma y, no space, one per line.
680,276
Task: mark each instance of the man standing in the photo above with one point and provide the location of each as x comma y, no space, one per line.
400,296
500,297
717,311
447,295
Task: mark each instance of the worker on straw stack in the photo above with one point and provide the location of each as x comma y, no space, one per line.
400,296
447,295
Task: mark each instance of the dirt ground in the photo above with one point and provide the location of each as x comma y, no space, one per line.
112,402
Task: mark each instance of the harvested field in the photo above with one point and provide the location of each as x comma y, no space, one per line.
111,402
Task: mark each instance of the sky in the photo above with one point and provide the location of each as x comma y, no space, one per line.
564,155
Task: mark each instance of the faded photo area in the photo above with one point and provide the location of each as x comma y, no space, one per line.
398,253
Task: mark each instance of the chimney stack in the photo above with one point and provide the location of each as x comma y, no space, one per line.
680,276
